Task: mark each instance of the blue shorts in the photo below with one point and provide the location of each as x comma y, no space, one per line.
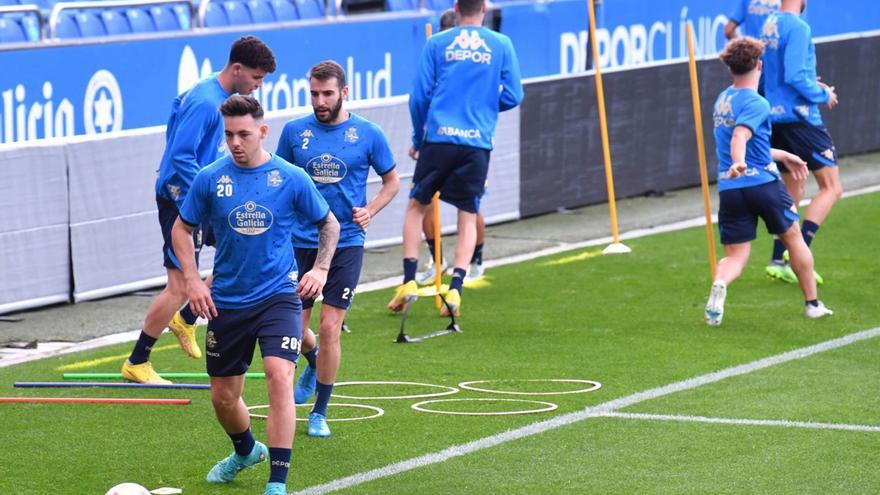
342,279
276,322
458,172
740,209
810,142
167,216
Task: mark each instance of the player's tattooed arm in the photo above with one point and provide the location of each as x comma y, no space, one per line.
328,236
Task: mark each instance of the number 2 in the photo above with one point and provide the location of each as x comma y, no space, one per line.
347,293
305,145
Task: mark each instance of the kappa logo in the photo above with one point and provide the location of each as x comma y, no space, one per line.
469,46
764,7
829,154
273,179
351,135
224,179
770,32
723,114
306,134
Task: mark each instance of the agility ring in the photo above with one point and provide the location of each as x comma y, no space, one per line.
593,386
378,411
448,391
549,406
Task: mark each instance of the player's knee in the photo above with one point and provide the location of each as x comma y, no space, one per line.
277,376
223,400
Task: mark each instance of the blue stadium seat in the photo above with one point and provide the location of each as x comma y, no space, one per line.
237,13
309,9
184,16
284,10
42,4
10,31
260,11
66,27
140,21
89,24
4,3
439,5
164,18
216,16
400,5
31,26
115,22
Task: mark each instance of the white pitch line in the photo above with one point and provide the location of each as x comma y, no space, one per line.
584,414
747,422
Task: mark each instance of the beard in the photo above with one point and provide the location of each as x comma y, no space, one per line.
334,113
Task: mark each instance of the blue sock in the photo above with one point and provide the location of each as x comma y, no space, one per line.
478,254
242,442
312,358
188,316
279,463
409,269
323,397
808,230
778,249
457,279
141,352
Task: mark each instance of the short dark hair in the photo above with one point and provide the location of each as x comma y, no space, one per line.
241,105
469,8
252,53
447,20
742,55
327,70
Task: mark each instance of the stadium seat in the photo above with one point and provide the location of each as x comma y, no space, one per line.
66,28
237,13
115,22
11,31
284,10
439,5
89,24
42,4
184,16
216,16
260,11
401,5
4,3
31,26
140,21
164,18
310,9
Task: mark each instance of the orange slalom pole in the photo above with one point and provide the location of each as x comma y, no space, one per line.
603,124
438,256
83,400
701,150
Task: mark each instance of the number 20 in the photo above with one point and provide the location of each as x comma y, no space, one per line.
224,190
290,344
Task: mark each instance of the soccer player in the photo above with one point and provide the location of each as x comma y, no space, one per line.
748,181
193,139
749,16
337,149
466,75
795,93
475,270
254,201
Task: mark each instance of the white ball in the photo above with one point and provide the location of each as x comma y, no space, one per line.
128,489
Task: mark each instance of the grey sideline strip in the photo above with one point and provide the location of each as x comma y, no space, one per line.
584,414
747,422
393,281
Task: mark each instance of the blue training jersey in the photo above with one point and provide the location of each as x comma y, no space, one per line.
751,14
790,81
466,75
193,138
254,212
735,107
338,159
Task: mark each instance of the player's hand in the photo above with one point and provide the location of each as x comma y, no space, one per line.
200,299
362,217
312,283
832,95
413,153
736,170
796,166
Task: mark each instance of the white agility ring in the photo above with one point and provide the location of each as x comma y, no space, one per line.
549,407
378,412
593,386
448,391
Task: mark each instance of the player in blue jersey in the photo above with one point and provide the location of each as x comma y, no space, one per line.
193,139
748,181
337,149
255,202
795,93
466,75
749,17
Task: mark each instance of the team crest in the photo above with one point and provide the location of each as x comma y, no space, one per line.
803,110
351,135
211,340
174,191
274,178
306,134
829,154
